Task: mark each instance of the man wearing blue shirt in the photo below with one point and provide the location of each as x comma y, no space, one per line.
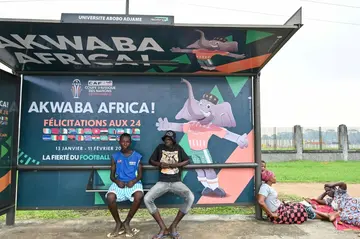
126,173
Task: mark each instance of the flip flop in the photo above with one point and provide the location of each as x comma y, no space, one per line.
159,236
175,235
134,232
122,231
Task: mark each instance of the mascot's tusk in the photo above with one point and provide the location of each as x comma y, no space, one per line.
206,114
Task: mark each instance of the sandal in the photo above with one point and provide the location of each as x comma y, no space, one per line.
159,236
122,231
134,231
175,235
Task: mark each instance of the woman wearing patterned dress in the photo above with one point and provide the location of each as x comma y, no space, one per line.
277,211
347,207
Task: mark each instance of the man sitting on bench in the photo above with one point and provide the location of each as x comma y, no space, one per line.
126,173
170,157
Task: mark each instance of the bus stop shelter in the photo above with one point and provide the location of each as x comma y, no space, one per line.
81,82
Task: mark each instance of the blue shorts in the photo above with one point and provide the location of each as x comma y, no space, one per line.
124,194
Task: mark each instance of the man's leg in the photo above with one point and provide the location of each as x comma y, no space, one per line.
138,195
182,190
159,189
111,199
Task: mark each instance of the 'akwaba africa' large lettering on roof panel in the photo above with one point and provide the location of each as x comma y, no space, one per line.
141,49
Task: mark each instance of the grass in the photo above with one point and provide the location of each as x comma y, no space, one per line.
311,172
295,171
142,213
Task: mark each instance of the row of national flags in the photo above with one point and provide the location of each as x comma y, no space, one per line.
90,131
4,112
47,137
4,120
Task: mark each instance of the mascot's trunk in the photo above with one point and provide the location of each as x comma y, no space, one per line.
193,105
202,41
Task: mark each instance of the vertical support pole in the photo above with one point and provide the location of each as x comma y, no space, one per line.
257,129
127,7
10,216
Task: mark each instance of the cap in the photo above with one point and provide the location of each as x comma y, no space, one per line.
170,134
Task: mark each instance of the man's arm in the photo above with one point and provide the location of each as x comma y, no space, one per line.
131,183
112,175
154,158
321,197
184,159
113,170
320,200
341,185
180,165
155,163
139,174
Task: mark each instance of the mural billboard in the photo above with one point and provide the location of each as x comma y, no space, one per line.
52,47
77,120
9,100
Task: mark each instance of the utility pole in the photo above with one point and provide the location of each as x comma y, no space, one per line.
127,6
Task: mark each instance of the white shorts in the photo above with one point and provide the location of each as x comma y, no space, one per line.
124,194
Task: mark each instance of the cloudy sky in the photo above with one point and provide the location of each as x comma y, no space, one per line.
312,81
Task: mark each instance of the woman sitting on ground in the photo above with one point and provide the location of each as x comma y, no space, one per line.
347,207
277,211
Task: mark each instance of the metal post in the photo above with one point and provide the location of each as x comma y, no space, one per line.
257,129
10,216
127,6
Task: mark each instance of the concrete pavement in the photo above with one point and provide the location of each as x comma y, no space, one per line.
193,226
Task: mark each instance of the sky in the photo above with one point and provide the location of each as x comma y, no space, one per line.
312,81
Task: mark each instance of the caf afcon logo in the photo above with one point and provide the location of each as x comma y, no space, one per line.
76,88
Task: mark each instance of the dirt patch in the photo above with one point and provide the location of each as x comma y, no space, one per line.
311,190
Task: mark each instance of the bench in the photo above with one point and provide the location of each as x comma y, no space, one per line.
91,188
105,188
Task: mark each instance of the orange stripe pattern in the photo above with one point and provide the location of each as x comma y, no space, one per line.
243,65
5,181
234,181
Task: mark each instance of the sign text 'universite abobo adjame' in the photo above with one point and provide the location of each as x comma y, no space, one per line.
89,44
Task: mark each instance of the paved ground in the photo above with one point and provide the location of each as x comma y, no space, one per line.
193,226
199,227
311,189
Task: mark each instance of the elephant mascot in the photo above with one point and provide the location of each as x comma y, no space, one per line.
205,118
205,49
